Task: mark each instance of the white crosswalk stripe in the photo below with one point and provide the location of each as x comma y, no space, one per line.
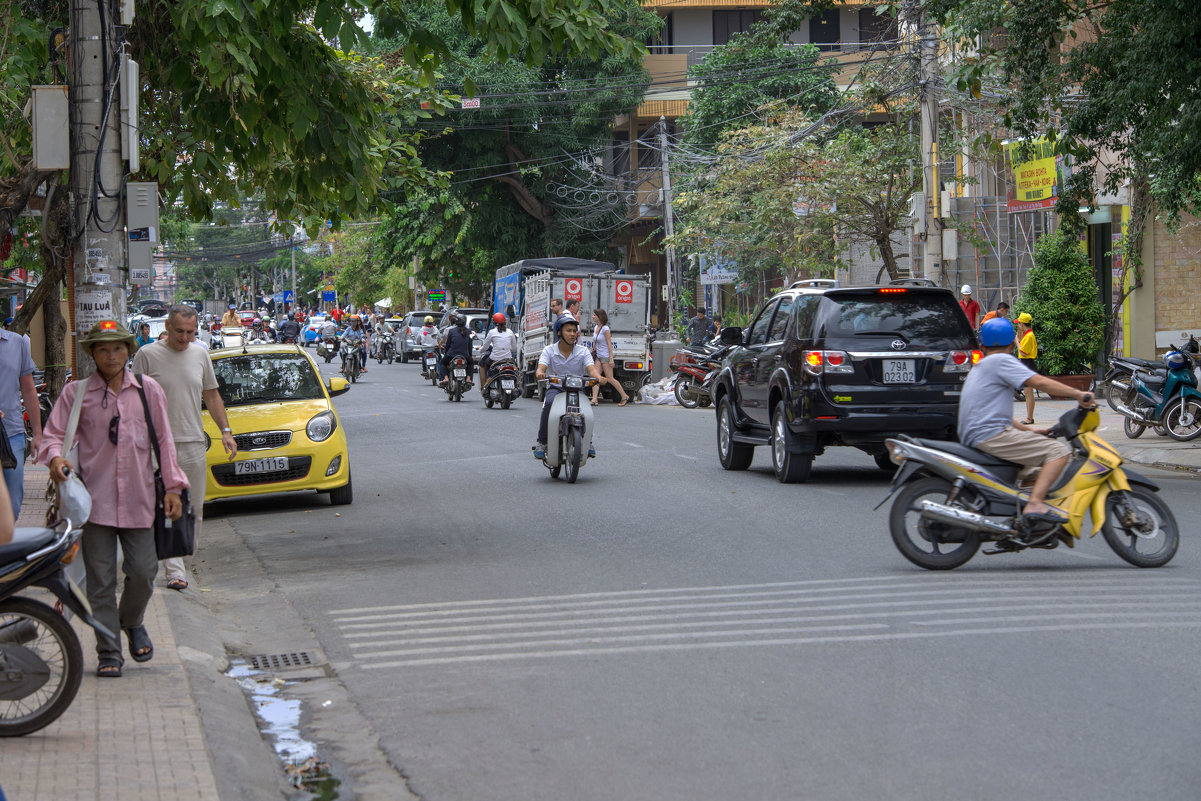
757,615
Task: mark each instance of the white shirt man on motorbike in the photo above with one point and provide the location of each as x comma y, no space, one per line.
563,358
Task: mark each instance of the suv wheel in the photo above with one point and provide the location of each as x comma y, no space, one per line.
790,468
732,455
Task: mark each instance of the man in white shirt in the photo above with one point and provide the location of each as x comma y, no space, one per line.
186,376
562,358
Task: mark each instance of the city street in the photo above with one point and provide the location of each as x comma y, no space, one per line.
666,630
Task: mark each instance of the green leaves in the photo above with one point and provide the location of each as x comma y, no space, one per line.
1061,295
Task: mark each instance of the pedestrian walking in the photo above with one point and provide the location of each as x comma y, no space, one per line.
16,386
700,329
602,351
970,307
1027,347
115,461
186,375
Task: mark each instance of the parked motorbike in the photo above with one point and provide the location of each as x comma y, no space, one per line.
695,373
1167,398
951,498
384,348
457,380
41,661
429,365
573,437
502,385
1121,370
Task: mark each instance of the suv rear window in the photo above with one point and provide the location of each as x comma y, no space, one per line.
925,318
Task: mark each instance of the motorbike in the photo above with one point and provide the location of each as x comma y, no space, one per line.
695,373
573,431
457,380
1167,398
41,661
384,348
951,498
429,365
502,385
328,347
1121,369
352,366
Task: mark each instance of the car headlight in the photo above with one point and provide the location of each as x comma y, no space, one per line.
321,427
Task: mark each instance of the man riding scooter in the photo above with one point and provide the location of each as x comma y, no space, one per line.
456,342
986,419
289,329
355,336
564,357
499,344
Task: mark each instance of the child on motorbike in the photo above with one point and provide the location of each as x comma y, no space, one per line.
986,419
565,357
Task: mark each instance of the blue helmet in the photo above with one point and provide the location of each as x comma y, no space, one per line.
1175,360
996,332
564,319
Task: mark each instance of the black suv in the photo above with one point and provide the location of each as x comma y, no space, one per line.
827,365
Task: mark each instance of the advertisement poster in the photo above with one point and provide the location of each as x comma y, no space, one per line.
1037,174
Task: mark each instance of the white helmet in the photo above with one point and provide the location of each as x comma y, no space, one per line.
967,290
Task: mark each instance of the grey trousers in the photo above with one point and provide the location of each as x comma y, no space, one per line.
191,458
100,561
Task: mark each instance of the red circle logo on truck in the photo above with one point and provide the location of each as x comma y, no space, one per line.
574,289
625,291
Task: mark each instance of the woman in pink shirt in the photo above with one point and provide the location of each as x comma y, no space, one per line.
115,461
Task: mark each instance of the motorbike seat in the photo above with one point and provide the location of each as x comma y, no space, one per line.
1155,381
26,540
1004,470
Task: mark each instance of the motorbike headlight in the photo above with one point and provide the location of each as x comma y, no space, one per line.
321,427
574,382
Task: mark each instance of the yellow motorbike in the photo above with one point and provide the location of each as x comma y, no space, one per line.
951,498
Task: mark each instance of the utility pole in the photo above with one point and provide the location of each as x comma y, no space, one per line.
668,227
932,233
99,265
295,297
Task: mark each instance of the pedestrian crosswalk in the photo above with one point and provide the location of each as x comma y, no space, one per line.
861,609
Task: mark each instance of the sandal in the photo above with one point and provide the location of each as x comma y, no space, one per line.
140,647
624,401
1029,421
177,584
109,668
595,403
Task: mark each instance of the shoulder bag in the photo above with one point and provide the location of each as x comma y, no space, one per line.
176,538
70,499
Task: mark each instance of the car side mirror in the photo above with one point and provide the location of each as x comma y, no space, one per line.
338,386
731,336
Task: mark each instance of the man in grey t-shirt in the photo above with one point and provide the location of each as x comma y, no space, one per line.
16,386
986,420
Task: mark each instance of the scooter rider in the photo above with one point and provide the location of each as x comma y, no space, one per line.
986,419
499,344
257,332
563,358
456,342
355,336
289,329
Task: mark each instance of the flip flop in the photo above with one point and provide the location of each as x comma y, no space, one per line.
109,668
139,641
177,584
1029,421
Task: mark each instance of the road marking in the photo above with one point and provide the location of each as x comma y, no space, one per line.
633,444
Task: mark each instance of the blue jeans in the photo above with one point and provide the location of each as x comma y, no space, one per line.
15,479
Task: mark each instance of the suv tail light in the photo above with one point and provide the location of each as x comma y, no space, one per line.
827,361
960,361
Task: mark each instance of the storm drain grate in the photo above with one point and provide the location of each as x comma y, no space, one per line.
291,660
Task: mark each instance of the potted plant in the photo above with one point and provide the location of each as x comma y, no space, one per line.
1061,295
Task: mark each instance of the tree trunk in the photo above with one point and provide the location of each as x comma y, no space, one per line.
47,294
16,191
889,258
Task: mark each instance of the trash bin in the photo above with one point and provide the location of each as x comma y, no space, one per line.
663,350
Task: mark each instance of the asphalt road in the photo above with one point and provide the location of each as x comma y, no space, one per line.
666,630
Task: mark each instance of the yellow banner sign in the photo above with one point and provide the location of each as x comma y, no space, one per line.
1037,174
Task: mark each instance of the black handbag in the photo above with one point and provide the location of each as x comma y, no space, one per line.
172,538
8,459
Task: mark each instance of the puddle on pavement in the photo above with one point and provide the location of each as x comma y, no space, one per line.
279,720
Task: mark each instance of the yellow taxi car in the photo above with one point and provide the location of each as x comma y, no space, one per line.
288,434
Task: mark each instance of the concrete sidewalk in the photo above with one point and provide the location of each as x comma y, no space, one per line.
136,738
1149,450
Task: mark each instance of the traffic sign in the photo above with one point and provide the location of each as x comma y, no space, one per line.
329,296
289,296
625,291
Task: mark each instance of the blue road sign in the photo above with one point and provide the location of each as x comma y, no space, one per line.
328,296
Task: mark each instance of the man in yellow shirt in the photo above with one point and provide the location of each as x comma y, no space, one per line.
1028,354
230,319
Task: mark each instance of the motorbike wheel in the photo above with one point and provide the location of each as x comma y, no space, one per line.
790,467
505,402
1114,392
404,356
54,642
732,455
1133,429
574,454
458,392
923,541
488,400
1183,419
1140,528
687,394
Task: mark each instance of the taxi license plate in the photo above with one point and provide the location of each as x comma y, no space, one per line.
899,371
273,464
460,372
506,383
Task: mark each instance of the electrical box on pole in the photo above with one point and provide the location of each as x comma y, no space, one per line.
51,139
141,224
130,84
